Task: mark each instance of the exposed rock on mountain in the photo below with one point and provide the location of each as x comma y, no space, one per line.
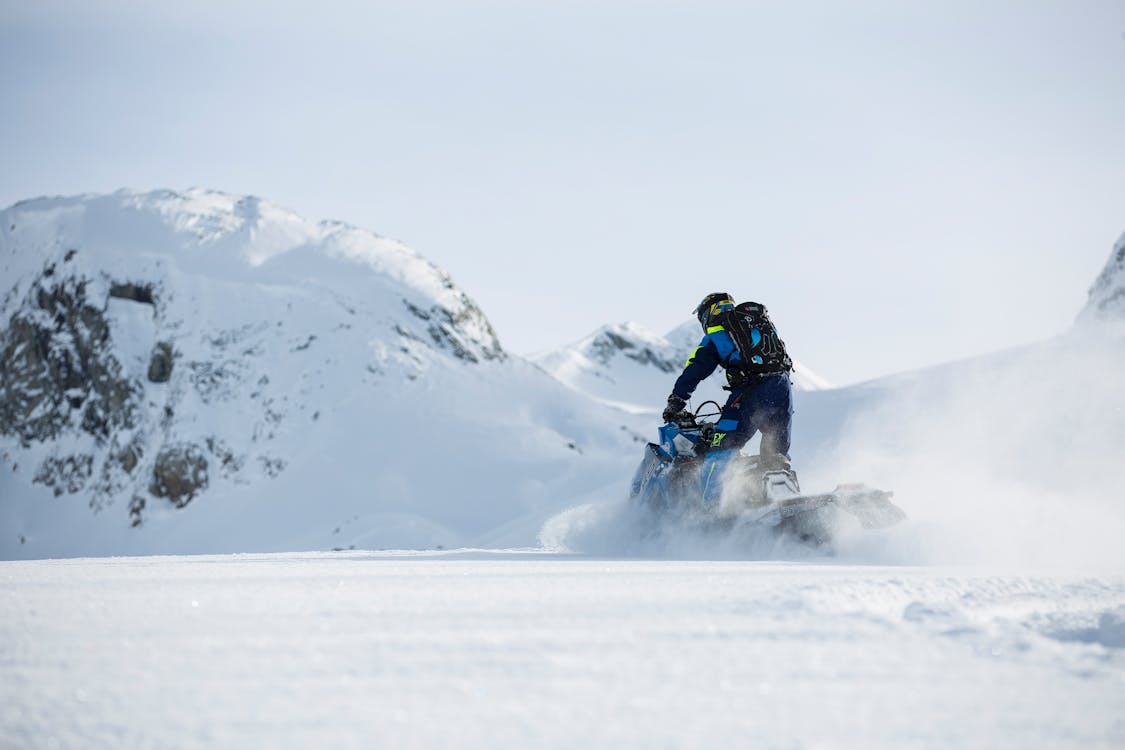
632,342
1107,295
58,376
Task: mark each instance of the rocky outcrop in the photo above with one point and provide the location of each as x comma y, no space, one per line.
447,329
621,340
57,370
66,473
59,376
179,474
160,363
1107,295
136,292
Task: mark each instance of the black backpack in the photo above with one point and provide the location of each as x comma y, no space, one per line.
768,355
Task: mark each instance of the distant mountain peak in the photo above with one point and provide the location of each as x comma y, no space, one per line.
627,363
1107,295
633,341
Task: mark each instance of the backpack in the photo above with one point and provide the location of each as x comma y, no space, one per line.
754,336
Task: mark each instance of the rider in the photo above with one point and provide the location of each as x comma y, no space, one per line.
760,400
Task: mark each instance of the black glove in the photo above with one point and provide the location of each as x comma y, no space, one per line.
703,443
674,409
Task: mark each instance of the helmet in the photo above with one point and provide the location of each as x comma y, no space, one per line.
712,306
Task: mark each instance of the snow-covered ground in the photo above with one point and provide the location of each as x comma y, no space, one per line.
510,649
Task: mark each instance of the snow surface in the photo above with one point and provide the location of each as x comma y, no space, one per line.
509,649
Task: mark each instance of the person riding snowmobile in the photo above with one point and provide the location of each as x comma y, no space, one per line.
745,343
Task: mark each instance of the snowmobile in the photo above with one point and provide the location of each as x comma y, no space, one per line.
757,493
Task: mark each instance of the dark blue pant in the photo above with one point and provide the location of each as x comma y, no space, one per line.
763,405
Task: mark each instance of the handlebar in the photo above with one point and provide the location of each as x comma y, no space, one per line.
687,420
718,410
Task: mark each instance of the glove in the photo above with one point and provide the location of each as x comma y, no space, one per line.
674,408
703,443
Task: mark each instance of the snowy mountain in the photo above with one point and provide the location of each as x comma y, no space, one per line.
1107,295
629,366
200,371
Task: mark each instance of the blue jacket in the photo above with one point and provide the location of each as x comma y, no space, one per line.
716,348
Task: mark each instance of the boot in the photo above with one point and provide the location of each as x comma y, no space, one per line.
774,462
779,481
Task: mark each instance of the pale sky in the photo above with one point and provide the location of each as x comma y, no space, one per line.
902,183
